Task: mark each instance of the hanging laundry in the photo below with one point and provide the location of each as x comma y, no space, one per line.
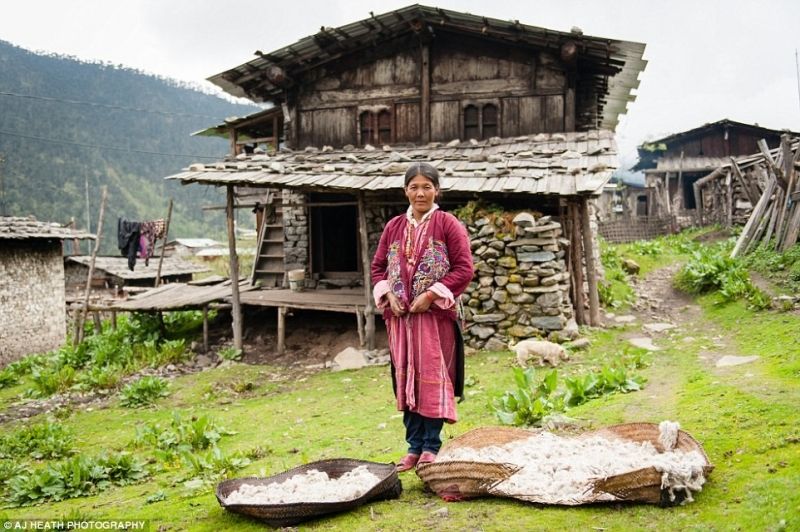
128,234
150,232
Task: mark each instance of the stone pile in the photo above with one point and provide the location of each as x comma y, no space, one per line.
521,285
295,229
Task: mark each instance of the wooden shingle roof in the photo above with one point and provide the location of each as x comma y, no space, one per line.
562,164
118,267
28,227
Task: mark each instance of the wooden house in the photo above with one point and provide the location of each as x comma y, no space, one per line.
509,113
32,298
673,164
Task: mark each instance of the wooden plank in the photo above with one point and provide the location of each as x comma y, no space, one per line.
205,328
576,252
752,197
163,243
755,218
281,330
588,256
425,93
81,314
369,327
236,311
762,145
788,172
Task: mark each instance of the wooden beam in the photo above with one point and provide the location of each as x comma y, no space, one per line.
576,252
281,348
205,328
752,197
779,177
755,219
369,310
163,243
591,271
788,172
234,137
82,311
236,310
425,93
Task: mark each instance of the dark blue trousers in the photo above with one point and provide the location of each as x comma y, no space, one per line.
422,433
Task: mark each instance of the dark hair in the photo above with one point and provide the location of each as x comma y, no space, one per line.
423,169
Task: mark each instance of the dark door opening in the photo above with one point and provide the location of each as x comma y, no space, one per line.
334,237
688,190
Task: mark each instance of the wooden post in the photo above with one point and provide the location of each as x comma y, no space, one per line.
360,326
98,324
114,320
788,172
591,272
234,137
576,252
236,310
729,198
281,330
82,311
698,202
205,328
164,243
755,218
425,93
369,309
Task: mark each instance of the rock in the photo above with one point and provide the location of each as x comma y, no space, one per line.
523,299
521,331
488,318
350,358
481,331
524,219
542,289
203,361
501,296
485,281
644,343
531,242
509,308
550,323
731,360
495,344
658,327
630,266
531,281
491,253
486,230
501,280
550,299
441,513
513,289
515,278
507,262
537,256
496,244
488,305
580,343
625,319
542,228
571,330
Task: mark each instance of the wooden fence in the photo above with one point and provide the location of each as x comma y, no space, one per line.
630,229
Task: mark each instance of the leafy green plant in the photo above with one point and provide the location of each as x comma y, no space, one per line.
182,435
214,463
46,381
143,392
46,440
8,378
230,353
647,247
78,476
103,377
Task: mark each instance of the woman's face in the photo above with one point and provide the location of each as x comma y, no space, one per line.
421,193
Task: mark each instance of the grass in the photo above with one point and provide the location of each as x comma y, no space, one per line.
744,416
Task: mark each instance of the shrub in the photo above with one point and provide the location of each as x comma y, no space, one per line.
214,463
143,392
78,476
46,440
230,353
196,433
46,382
652,248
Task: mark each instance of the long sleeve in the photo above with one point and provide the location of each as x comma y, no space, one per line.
460,255
380,261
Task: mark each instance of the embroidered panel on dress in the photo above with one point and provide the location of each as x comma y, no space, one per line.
432,267
393,271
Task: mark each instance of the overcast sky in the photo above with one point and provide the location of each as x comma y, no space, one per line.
708,60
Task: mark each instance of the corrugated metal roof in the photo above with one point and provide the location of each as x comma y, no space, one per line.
22,228
556,164
611,55
118,266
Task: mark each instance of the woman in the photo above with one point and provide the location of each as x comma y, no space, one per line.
422,265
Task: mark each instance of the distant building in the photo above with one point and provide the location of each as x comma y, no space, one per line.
112,274
184,247
32,299
674,163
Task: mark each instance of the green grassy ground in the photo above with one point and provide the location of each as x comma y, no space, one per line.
745,417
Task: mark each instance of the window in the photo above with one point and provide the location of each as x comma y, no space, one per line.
375,127
481,122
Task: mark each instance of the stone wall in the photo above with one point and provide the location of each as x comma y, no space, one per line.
295,230
521,285
32,306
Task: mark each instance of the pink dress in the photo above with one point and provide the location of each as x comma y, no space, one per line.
435,255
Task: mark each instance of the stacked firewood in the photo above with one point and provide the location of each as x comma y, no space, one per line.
776,215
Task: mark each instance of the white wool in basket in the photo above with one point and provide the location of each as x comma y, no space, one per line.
560,470
311,486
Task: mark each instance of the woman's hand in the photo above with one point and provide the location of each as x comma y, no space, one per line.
396,305
422,302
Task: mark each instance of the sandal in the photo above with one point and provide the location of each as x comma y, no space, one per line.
407,462
426,457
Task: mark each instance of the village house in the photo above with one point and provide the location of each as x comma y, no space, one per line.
512,115
32,298
185,247
673,164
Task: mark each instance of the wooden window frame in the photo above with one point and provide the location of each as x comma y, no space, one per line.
373,114
480,105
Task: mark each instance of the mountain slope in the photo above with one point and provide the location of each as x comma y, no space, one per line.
136,131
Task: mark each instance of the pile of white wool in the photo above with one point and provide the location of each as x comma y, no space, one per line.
311,486
560,470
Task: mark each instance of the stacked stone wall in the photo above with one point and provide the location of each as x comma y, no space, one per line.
32,306
295,230
521,285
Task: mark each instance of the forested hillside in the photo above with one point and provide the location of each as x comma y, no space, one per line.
64,123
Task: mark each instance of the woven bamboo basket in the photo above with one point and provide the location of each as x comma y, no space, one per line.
477,479
280,515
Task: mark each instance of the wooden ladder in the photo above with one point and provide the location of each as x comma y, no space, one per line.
268,266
